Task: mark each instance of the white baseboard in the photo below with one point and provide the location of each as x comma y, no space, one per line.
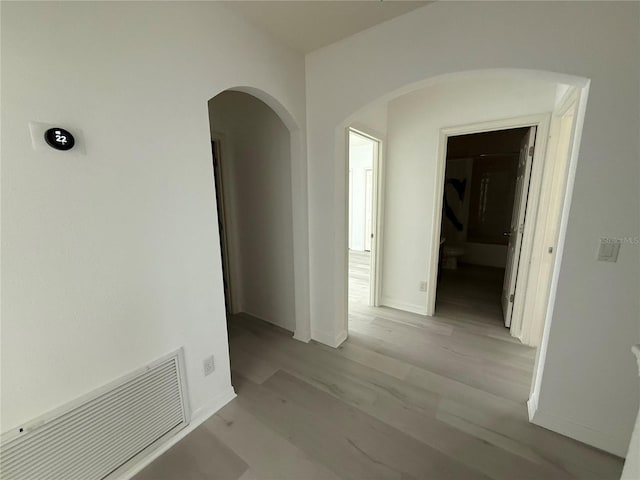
329,338
400,305
604,441
302,337
341,337
197,418
532,407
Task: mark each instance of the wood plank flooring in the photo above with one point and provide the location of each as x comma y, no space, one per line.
405,397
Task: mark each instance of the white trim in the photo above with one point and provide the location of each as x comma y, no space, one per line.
300,211
541,353
614,444
541,121
528,325
400,305
532,407
198,417
304,337
379,178
327,338
340,338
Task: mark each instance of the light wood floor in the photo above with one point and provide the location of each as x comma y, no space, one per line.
405,397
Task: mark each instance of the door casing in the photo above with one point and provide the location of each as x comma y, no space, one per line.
555,187
541,121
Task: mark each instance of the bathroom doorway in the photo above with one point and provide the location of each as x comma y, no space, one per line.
486,186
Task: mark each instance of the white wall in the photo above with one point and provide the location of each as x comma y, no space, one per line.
256,165
589,378
372,120
111,259
414,124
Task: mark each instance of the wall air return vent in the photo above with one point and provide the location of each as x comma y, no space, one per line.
97,434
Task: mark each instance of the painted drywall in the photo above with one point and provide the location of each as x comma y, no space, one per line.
590,377
372,120
361,153
414,124
256,169
111,259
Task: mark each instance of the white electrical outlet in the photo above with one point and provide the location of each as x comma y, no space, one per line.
422,286
208,365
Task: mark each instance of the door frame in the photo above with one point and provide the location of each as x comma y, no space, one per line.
225,234
375,274
541,121
555,188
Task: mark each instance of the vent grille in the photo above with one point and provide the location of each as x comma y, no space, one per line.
95,437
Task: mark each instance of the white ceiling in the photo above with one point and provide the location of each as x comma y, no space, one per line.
308,25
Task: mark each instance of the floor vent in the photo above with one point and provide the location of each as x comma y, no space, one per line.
93,437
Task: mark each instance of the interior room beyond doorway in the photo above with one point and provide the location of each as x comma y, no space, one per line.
484,189
363,157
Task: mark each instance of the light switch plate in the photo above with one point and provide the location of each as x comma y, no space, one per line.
609,249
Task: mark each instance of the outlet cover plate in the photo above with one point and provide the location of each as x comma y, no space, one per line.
208,365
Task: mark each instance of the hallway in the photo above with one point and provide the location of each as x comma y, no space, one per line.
465,341
405,397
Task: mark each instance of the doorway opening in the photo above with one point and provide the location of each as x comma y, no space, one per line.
486,189
251,158
557,111
364,224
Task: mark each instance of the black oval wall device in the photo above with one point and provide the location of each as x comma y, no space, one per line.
59,138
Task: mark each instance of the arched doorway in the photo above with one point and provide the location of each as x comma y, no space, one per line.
565,99
257,157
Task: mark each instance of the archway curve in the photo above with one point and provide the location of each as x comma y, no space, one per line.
285,114
287,117
299,189
514,73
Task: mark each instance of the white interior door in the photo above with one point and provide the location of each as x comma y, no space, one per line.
368,209
517,224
